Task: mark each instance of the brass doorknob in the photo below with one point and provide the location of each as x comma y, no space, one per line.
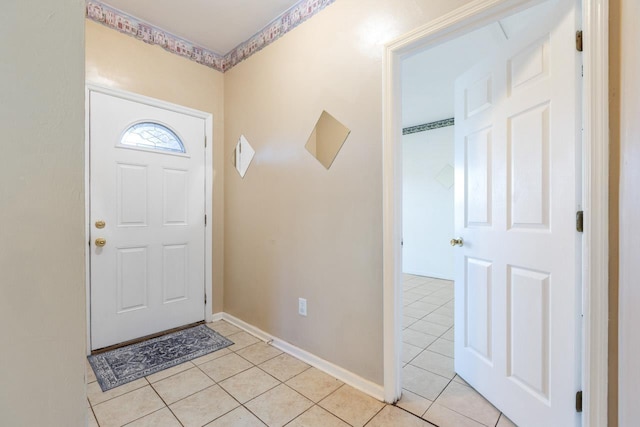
100,224
457,242
101,242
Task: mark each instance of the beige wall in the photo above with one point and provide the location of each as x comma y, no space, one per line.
120,61
292,228
42,293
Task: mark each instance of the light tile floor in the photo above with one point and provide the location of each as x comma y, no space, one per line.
248,384
431,388
254,384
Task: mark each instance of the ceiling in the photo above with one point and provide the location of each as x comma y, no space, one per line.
217,25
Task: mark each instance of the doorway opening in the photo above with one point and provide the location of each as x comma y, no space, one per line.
429,380
593,279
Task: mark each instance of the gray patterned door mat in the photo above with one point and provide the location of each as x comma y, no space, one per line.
126,364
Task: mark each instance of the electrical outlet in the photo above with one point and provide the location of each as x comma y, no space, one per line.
302,306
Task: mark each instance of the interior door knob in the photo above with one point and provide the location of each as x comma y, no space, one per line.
457,242
100,242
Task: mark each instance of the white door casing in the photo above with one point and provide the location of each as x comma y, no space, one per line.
517,285
150,275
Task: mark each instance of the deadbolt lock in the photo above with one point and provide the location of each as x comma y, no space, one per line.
100,242
100,224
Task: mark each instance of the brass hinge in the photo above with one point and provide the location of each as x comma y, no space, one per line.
205,298
580,221
205,141
579,401
579,41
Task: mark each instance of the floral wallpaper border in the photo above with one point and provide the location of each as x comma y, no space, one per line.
127,24
428,126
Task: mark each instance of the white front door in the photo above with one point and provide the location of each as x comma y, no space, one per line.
148,205
517,292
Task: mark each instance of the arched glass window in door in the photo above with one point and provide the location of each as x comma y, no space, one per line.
153,136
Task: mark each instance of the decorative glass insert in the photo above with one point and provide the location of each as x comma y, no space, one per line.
152,136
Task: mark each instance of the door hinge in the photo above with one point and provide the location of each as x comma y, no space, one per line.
580,221
205,141
205,220
579,401
579,41
205,298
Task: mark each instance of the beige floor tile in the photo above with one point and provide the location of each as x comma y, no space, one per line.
417,339
468,402
128,407
414,313
442,346
413,403
437,300
284,367
425,289
392,416
225,367
351,405
314,384
90,375
153,378
423,383
241,340
317,417
505,422
224,328
410,296
91,420
278,406
443,417
181,385
435,362
460,381
439,319
239,417
248,384
161,418
408,321
429,328
203,407
449,335
96,395
409,352
259,353
211,356
424,306
444,311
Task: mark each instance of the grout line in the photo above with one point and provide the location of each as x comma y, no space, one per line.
375,415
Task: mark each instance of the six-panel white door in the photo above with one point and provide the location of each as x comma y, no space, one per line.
149,275
517,294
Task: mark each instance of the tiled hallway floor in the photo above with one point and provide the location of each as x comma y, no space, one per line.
254,384
431,389
248,384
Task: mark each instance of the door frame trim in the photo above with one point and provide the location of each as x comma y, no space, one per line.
208,229
595,176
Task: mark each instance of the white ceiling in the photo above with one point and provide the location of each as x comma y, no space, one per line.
217,25
428,77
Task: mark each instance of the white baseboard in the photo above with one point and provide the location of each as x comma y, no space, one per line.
216,316
374,390
427,274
